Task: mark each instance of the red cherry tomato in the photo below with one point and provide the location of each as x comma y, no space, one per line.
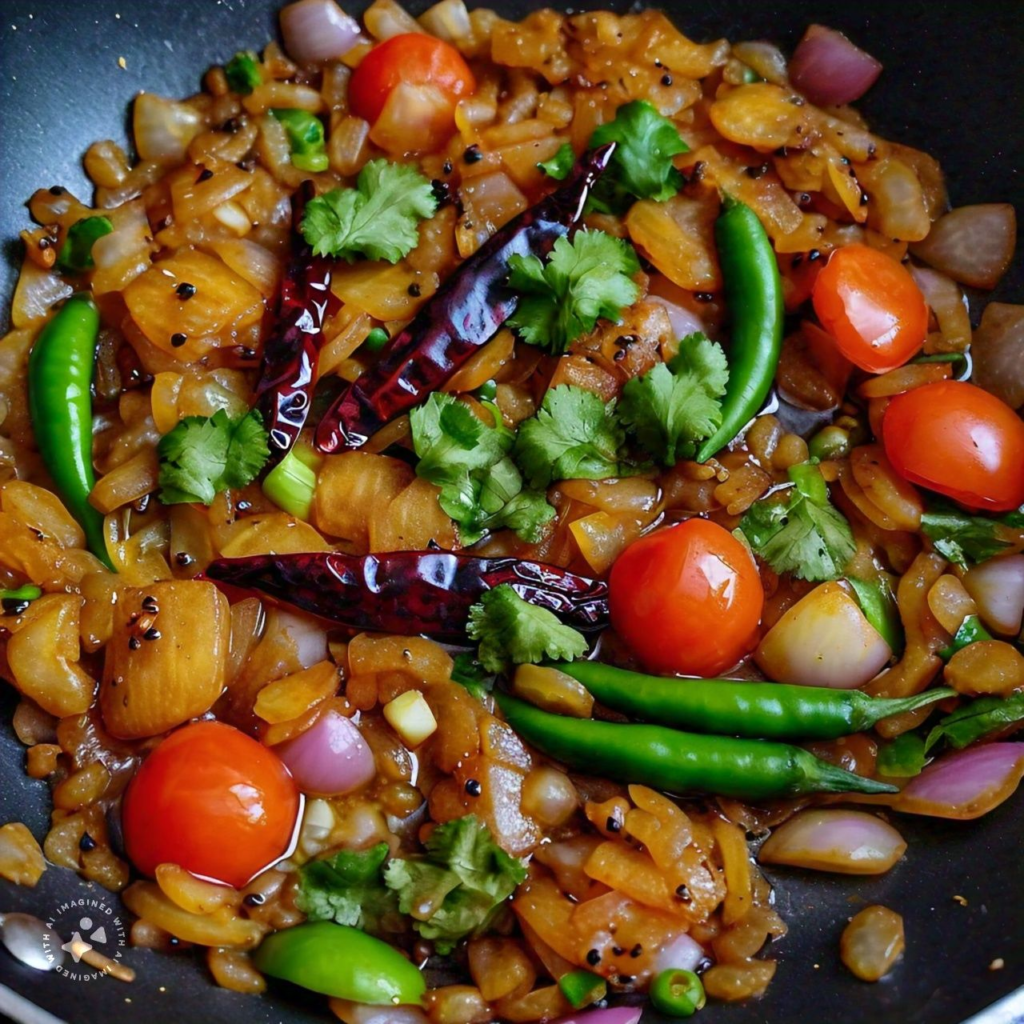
687,599
212,800
870,304
413,58
957,439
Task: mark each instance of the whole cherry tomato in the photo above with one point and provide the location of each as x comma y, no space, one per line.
687,599
957,439
213,801
412,58
870,304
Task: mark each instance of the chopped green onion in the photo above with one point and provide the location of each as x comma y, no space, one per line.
830,442
243,72
306,135
376,339
488,391
290,485
809,482
970,632
677,993
582,988
941,357
76,253
14,602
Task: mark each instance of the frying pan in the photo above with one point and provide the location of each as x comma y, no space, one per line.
952,86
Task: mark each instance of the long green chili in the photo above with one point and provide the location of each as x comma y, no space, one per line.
680,762
751,709
753,292
60,371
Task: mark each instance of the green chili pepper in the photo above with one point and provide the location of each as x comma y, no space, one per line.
680,762
243,72
377,339
970,632
342,962
60,370
878,603
306,135
677,993
76,253
753,292
582,988
755,710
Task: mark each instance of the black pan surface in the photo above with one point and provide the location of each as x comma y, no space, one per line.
951,86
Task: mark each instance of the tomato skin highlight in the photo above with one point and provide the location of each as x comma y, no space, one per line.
957,439
687,599
415,59
872,307
212,800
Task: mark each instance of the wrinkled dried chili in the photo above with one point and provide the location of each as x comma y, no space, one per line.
292,352
462,316
410,592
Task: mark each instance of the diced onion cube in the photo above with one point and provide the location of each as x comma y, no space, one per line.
410,716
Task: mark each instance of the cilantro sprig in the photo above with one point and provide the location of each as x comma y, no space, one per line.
583,280
641,166
203,456
481,488
575,435
559,166
511,631
964,538
377,220
804,535
677,404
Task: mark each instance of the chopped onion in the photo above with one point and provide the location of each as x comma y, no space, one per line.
997,587
233,217
163,128
317,30
966,784
681,954
973,244
386,18
448,20
616,1015
683,321
829,69
823,640
37,292
949,304
998,352
124,253
359,1013
840,841
309,638
331,757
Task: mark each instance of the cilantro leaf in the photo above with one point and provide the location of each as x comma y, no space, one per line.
804,535
903,758
559,166
675,405
587,278
964,538
641,166
481,488
463,879
203,456
378,219
514,632
348,888
574,436
975,719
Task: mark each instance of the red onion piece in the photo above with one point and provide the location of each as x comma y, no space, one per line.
317,30
998,352
997,587
683,953
616,1015
839,841
972,244
829,69
966,784
329,758
683,321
